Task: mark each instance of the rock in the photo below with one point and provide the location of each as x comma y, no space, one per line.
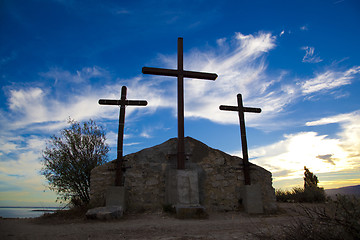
105,213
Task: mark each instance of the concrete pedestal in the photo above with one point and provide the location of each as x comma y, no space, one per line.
182,191
182,187
252,199
115,196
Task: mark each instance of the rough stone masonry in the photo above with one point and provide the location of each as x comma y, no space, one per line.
220,178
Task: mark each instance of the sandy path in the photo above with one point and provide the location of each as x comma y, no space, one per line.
144,226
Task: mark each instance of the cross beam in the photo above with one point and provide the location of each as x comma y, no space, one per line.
123,102
180,74
241,109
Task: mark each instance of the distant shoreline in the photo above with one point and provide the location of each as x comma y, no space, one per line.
26,212
44,210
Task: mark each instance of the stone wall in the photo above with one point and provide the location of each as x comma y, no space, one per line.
220,178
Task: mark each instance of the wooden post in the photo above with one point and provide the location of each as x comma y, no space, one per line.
180,74
122,103
241,109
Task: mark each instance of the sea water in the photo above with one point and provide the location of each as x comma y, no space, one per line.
25,212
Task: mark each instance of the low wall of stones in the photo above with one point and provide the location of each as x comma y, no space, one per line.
220,178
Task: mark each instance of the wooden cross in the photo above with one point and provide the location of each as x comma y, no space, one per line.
122,102
241,109
180,73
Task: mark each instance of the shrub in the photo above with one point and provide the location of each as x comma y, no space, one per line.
339,219
69,158
282,195
313,194
310,193
298,194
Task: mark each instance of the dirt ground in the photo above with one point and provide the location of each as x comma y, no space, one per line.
230,225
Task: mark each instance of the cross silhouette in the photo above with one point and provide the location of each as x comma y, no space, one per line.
122,102
241,109
180,73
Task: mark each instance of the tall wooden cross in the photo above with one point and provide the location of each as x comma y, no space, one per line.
241,109
180,73
122,102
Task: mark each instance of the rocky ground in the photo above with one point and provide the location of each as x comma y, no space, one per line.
230,225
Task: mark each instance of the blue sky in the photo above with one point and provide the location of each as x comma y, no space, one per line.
297,60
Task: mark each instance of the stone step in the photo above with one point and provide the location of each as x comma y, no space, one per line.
191,212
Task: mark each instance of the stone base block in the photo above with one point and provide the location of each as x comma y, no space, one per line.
186,212
105,213
252,199
115,196
182,187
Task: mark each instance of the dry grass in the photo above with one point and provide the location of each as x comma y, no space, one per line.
76,214
339,219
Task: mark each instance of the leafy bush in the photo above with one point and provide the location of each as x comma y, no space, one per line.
69,158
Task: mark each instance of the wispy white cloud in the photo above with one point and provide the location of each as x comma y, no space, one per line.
29,103
240,64
80,76
131,144
48,108
8,144
221,41
341,118
111,138
145,134
329,80
20,164
309,55
350,134
35,105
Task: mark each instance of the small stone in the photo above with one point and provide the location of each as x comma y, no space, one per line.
105,213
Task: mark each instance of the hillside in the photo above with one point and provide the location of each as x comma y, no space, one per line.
352,190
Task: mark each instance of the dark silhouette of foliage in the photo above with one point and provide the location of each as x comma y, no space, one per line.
337,219
69,158
310,180
310,193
